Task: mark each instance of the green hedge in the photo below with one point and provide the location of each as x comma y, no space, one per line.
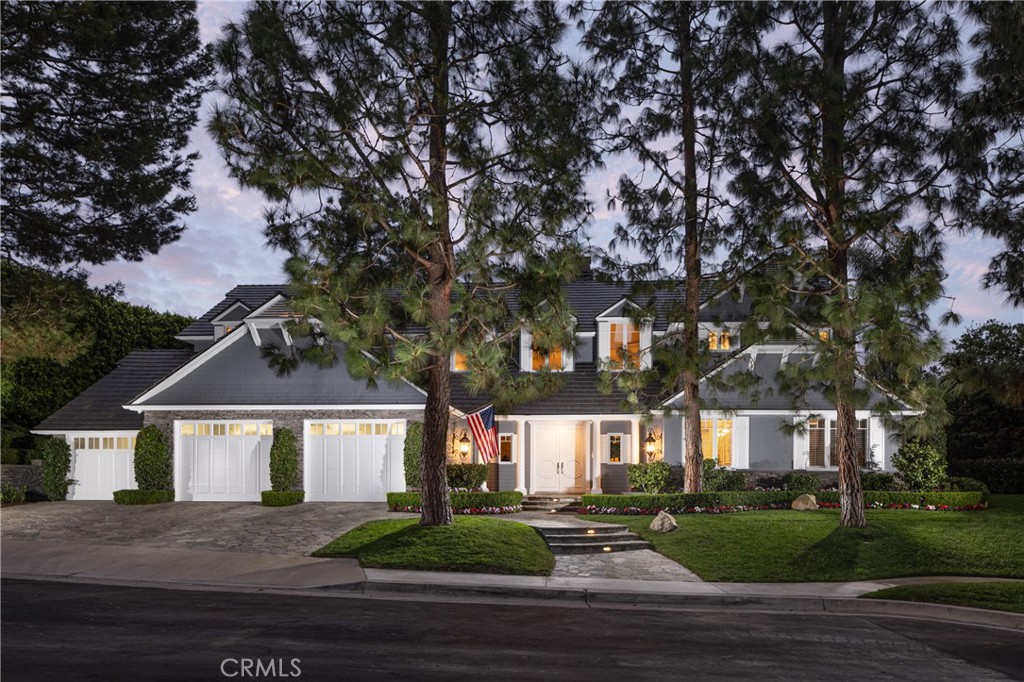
466,476
143,496
284,461
1000,474
411,453
56,455
12,493
282,498
504,502
153,467
677,502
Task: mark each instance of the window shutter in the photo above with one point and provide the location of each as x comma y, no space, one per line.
646,350
627,449
741,442
682,438
801,447
603,342
876,442
526,351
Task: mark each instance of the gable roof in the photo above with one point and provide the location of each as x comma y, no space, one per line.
99,407
251,296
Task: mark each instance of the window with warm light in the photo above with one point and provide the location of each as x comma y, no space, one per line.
551,359
716,440
459,362
505,447
625,343
720,340
823,335
614,449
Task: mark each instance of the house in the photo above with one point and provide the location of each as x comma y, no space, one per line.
220,402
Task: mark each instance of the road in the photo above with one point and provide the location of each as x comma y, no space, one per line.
66,631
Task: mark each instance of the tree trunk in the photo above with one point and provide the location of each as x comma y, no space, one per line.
851,496
694,465
436,509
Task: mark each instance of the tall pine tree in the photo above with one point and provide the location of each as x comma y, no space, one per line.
99,100
669,73
424,160
846,127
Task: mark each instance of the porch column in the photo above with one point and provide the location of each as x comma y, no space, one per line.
595,453
634,441
587,449
521,456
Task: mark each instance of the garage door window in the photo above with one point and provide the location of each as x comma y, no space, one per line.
348,429
316,429
266,429
331,429
366,429
398,429
188,429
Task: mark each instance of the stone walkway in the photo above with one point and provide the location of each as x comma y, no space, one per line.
215,526
643,564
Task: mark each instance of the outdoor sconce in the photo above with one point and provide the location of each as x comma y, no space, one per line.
650,442
464,444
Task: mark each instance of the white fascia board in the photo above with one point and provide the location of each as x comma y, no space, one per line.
567,417
85,432
189,366
277,298
203,408
230,308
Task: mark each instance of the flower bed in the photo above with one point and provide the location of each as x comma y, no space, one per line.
750,500
504,502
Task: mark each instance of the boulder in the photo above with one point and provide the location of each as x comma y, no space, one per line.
664,523
805,501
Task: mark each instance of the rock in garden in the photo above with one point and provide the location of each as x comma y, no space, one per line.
664,523
805,501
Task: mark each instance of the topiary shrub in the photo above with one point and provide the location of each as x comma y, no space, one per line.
143,496
650,477
921,466
56,455
284,461
876,480
282,498
411,453
466,476
153,467
805,483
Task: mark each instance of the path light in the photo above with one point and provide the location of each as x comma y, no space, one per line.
591,531
607,549
464,444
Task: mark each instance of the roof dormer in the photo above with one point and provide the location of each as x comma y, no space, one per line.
621,338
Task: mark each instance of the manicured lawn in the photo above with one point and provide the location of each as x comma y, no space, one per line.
998,596
791,546
472,544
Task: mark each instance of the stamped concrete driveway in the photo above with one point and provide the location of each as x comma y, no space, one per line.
218,526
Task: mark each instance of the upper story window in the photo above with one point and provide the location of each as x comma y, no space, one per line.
460,362
624,344
551,359
824,334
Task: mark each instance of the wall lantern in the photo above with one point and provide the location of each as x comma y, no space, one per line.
650,442
464,444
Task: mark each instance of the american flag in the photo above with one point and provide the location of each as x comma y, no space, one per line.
485,432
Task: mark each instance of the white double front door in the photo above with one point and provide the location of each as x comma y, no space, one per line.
558,455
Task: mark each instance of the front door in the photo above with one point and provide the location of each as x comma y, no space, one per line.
558,461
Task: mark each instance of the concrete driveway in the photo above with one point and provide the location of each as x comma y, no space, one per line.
217,526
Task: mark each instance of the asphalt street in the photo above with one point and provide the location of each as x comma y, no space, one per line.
66,631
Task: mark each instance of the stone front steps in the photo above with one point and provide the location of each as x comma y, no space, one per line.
549,503
598,539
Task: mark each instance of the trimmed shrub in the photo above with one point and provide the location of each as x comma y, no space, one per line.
153,467
876,480
56,456
284,461
677,503
282,498
720,478
800,482
12,493
143,496
651,477
466,476
1001,475
411,453
503,502
921,466
965,484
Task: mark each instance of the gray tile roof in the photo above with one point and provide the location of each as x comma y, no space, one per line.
252,295
99,406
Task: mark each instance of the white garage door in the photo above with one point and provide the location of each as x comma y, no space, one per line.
100,464
224,461
353,461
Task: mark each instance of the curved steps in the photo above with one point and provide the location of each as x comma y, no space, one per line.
597,539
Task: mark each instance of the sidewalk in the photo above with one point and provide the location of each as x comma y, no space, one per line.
191,569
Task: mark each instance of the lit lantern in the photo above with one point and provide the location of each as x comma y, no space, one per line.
650,442
464,444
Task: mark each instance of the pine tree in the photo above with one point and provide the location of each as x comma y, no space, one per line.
99,100
848,137
669,72
424,160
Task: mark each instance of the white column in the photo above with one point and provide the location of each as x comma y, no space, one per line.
521,456
595,452
587,449
634,446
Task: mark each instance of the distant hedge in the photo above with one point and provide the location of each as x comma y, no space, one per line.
143,496
1000,474
504,502
761,499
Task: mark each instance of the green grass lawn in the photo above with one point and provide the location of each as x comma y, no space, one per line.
791,546
998,596
473,544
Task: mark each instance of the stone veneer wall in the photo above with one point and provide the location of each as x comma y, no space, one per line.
27,475
291,419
